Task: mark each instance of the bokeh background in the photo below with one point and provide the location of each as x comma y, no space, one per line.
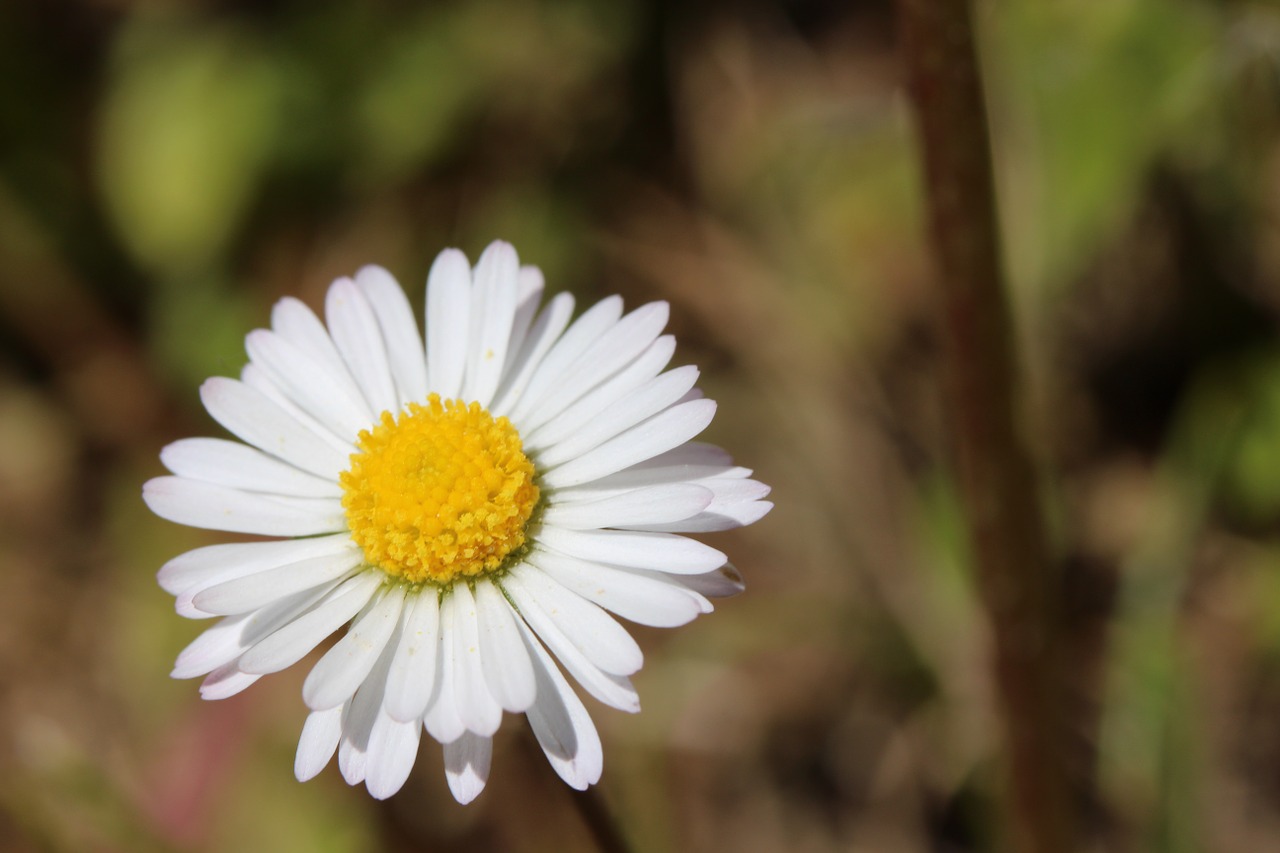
168,170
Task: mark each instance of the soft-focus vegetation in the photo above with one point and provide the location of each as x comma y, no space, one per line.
169,170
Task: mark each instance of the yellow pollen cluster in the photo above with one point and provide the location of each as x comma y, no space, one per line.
442,491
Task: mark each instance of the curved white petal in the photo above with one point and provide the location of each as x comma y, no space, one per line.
230,463
405,351
664,552
357,757
493,311
466,765
307,382
198,504
253,417
507,668
225,682
599,637
644,597
586,330
713,520
320,735
477,708
358,337
661,432
442,719
561,723
292,320
448,322
722,583
529,288
256,378
546,330
593,404
652,505
214,563
393,749
629,337
613,690
651,398
288,645
213,648
260,589
412,678
336,676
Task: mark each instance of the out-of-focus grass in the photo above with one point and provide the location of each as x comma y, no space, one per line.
168,172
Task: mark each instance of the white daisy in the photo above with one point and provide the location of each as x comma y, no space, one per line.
468,512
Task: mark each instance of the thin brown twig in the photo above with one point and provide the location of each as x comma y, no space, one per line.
1016,573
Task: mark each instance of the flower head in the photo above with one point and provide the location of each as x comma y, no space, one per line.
470,512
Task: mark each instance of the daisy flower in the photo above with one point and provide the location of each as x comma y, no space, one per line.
470,511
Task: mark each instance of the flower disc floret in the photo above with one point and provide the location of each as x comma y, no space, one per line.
438,492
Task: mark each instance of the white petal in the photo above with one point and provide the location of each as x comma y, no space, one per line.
585,410
714,519
336,676
659,433
225,682
529,287
248,593
630,337
292,320
651,398
448,322
292,642
599,637
215,647
493,310
561,724
358,337
255,377
643,597
507,669
222,644
652,505
356,755
230,463
545,332
664,552
315,388
477,708
585,331
697,453
393,749
251,416
466,766
613,690
722,583
737,503
399,331
214,563
198,504
442,719
717,478
412,678
320,735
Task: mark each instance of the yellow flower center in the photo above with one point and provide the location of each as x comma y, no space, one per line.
441,491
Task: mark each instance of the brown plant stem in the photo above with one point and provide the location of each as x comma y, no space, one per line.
600,821
1017,576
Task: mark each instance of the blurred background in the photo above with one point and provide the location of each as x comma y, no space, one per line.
168,170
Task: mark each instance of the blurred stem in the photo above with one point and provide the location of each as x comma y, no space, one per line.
1016,575
600,821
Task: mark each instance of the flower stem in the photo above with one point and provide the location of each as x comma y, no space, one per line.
1016,574
600,821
